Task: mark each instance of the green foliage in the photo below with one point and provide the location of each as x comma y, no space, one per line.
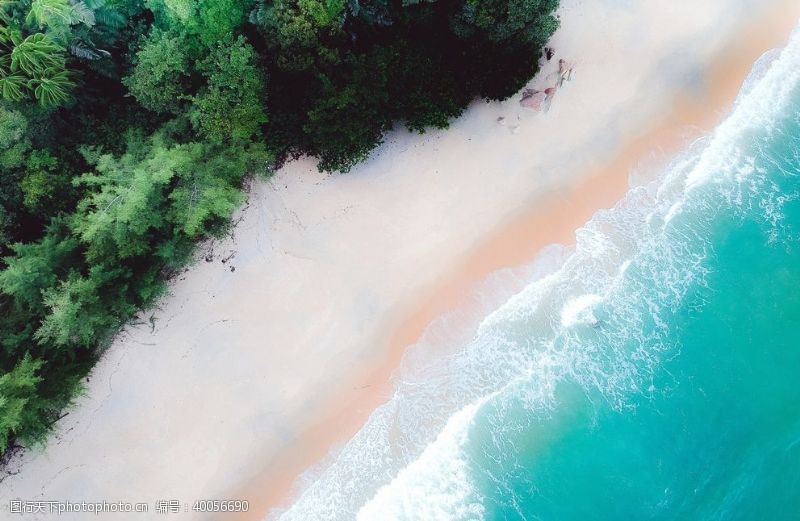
208,191
299,31
31,398
13,138
205,22
230,106
35,54
158,79
41,183
76,314
51,13
36,267
156,190
518,22
51,86
216,19
17,389
347,121
36,46
35,66
118,217
12,86
14,147
342,73
127,129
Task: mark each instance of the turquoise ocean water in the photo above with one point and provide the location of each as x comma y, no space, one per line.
653,372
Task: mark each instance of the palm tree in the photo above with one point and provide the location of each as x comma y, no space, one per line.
50,13
51,86
12,85
36,64
36,53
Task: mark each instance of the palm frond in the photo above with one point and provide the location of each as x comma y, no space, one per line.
94,5
12,86
51,87
35,54
109,17
80,49
50,13
82,13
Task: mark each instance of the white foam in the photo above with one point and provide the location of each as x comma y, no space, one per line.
436,486
763,98
639,259
579,310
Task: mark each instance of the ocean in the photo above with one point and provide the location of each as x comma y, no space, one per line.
650,372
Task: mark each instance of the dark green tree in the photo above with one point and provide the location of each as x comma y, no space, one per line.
128,129
230,107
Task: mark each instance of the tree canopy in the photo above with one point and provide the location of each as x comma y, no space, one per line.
128,127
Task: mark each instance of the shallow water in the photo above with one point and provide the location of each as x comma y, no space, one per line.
655,374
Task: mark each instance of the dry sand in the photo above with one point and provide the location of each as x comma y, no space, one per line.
250,376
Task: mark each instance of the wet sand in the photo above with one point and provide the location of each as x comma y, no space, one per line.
249,377
552,218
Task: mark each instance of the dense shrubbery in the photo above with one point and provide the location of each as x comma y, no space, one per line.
127,128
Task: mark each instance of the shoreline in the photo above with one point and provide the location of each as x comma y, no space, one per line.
516,242
277,344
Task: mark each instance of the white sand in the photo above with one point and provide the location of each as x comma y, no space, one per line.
241,363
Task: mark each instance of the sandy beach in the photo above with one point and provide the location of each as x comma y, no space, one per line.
273,349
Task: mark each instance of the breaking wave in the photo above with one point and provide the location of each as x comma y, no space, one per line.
597,316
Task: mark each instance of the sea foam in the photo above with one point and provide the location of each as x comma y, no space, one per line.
631,270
